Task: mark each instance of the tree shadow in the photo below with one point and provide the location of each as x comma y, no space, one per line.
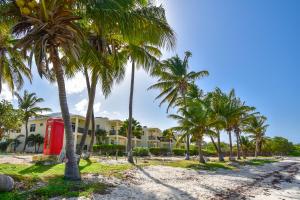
37,168
174,189
88,163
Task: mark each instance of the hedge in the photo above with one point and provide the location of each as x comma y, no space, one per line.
110,149
159,151
140,151
179,152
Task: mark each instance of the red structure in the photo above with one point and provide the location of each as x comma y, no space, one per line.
54,136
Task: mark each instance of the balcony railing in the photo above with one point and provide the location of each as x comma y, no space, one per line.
81,130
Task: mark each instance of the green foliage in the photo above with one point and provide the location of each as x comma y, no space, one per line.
281,146
10,118
4,145
137,130
140,151
109,149
295,150
179,152
159,151
101,135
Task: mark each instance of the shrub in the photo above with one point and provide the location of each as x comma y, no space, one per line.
140,151
159,151
179,152
4,145
110,149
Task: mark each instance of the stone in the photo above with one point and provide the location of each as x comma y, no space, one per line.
6,183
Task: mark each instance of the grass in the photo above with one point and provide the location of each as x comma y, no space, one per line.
54,184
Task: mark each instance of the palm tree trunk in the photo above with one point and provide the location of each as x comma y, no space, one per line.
241,145
34,147
230,145
26,135
93,133
170,146
71,169
201,158
187,156
129,136
220,154
88,113
238,145
213,141
256,147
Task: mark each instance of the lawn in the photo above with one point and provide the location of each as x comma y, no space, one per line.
53,184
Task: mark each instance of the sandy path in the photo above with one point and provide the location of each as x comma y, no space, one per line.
15,159
272,181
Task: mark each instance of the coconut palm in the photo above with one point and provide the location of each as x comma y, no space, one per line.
16,142
170,136
195,119
12,67
45,31
257,126
139,26
137,130
36,140
28,103
174,81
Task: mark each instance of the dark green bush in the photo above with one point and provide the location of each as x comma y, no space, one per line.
179,152
159,151
140,151
3,146
109,149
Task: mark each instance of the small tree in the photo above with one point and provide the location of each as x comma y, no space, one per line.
169,135
100,135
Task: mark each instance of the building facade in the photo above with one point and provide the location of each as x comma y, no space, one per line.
151,137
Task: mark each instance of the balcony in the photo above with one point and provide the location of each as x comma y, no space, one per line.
112,132
152,138
81,130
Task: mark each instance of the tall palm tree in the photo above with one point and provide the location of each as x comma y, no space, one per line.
12,67
46,30
174,81
257,126
139,25
28,103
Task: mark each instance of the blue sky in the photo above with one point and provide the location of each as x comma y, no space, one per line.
252,46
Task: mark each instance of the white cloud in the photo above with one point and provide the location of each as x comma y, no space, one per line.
82,105
76,84
6,93
110,115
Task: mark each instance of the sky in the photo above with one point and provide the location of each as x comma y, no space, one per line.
252,46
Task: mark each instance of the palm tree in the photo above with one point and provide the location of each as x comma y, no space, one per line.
139,25
196,119
137,129
46,30
170,136
39,140
100,134
12,67
257,126
16,142
28,103
174,81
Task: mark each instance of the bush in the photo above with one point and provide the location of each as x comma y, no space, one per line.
110,149
140,151
159,151
179,152
3,146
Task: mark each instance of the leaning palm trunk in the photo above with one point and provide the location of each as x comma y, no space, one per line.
230,145
213,141
88,113
129,136
26,135
71,169
201,158
220,154
237,145
187,155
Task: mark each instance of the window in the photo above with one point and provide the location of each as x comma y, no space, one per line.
41,124
98,127
73,127
32,127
